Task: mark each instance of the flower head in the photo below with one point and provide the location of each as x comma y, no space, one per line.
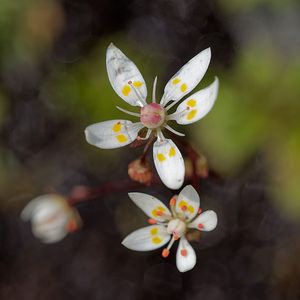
51,217
130,85
171,225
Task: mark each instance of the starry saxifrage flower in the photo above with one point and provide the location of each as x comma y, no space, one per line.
130,85
170,225
51,217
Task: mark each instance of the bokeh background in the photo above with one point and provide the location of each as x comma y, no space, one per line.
53,83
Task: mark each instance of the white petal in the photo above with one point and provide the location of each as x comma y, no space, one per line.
208,219
120,71
147,238
197,105
112,134
189,198
169,163
49,234
187,77
185,262
149,205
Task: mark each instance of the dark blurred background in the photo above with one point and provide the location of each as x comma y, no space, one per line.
53,83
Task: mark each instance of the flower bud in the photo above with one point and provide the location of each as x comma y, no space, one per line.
51,217
140,171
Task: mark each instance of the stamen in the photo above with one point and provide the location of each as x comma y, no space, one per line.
138,137
159,213
173,130
183,252
137,93
165,253
154,89
176,115
171,105
128,112
199,211
183,208
72,226
171,243
176,237
152,221
200,226
160,136
172,202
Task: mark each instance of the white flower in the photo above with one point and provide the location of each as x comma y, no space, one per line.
129,84
172,225
51,217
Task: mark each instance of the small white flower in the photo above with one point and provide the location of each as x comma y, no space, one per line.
129,84
172,225
51,217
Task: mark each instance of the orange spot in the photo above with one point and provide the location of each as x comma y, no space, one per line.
159,213
165,253
188,108
172,202
200,226
199,211
161,140
129,82
176,237
72,226
152,221
138,138
183,207
183,252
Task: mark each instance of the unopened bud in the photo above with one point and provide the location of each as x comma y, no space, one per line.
140,171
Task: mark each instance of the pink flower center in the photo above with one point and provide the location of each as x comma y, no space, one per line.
153,115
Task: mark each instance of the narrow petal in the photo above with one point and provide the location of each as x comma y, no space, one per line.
185,256
197,105
122,70
169,163
147,238
206,221
150,205
112,134
187,77
188,201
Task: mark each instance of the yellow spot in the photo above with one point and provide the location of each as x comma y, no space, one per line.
191,115
154,231
175,81
126,90
191,209
183,87
159,208
137,83
156,240
182,203
117,127
160,157
121,138
172,152
191,103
